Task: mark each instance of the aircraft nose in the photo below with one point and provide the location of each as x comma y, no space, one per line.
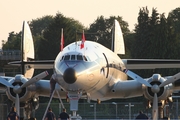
69,75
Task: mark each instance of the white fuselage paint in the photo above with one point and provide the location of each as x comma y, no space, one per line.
96,73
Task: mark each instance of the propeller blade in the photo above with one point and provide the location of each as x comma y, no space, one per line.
17,104
155,107
136,77
35,79
5,82
170,80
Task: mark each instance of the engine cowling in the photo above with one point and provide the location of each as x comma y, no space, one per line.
162,92
24,93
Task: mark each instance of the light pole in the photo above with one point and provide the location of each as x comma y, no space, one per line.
94,110
129,105
116,108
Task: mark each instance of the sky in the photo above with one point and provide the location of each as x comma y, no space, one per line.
14,12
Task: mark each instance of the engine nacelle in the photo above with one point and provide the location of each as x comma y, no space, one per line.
24,94
162,92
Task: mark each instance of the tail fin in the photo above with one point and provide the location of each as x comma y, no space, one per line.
117,39
27,48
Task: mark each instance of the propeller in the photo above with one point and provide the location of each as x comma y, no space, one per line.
155,88
5,83
17,89
170,80
34,79
17,104
136,77
155,107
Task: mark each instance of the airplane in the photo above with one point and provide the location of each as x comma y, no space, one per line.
88,70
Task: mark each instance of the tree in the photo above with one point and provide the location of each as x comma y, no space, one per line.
157,37
174,31
142,35
49,43
37,27
148,37
40,24
13,42
103,28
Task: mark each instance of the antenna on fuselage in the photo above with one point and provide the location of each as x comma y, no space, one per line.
83,40
62,40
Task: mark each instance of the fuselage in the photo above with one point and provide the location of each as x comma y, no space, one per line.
92,69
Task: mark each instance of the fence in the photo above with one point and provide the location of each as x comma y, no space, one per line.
97,111
3,111
10,55
94,111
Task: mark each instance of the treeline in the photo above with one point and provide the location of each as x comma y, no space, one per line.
154,36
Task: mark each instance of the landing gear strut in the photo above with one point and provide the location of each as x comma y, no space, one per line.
74,98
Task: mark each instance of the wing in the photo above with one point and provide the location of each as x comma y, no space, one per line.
125,89
159,89
150,63
42,64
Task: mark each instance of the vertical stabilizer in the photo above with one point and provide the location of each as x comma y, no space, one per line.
27,48
117,39
27,42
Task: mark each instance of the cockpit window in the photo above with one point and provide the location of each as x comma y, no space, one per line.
73,57
85,58
67,57
79,57
62,58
